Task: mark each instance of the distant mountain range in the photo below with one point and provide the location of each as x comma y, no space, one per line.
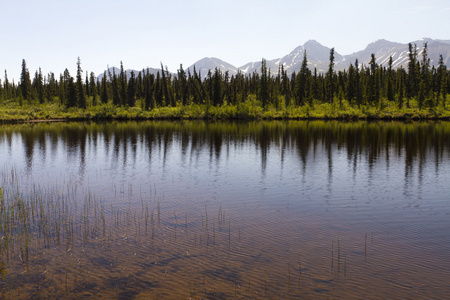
318,58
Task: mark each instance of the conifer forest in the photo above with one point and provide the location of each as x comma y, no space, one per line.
417,90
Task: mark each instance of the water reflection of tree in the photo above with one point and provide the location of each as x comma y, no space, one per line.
28,141
415,143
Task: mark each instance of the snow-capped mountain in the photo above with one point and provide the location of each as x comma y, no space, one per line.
211,63
383,50
251,67
317,55
318,58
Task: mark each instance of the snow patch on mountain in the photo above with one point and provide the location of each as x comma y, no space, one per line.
318,58
207,64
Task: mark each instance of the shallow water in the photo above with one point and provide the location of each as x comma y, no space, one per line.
289,209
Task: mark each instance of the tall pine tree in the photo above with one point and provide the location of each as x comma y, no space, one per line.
80,86
93,88
104,95
25,82
131,90
72,93
264,85
411,84
390,88
330,77
40,87
123,85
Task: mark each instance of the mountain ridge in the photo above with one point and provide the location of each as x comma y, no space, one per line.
318,58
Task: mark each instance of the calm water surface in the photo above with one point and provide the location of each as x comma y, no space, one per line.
224,210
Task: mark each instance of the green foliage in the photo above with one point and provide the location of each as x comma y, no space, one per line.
25,81
371,91
11,111
81,97
263,94
72,93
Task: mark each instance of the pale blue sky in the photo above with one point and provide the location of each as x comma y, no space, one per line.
53,33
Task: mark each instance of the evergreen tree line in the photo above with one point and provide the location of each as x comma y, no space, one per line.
371,85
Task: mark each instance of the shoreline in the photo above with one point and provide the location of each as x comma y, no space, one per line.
178,118
51,112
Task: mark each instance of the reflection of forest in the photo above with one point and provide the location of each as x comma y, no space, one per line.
417,142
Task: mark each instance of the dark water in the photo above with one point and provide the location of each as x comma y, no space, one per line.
233,209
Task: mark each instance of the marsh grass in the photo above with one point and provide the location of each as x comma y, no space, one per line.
13,111
61,232
63,241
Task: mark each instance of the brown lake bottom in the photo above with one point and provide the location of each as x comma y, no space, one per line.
150,251
198,210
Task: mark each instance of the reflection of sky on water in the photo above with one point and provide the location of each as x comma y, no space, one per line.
366,174
374,195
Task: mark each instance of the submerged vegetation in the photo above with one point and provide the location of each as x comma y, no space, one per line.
98,235
58,242
359,92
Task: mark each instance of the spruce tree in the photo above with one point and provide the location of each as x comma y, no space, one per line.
263,94
72,93
234,82
411,85
34,85
149,80
350,85
93,88
98,87
442,81
6,88
51,89
373,86
86,86
401,75
209,88
80,87
228,89
62,90
358,89
425,78
301,82
183,85
316,86
25,82
197,87
444,87
421,96
285,87
167,87
40,87
64,86
104,95
123,85
330,73
217,87
170,88
140,85
131,90
115,89
390,88
159,98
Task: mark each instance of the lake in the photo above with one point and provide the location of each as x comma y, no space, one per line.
225,210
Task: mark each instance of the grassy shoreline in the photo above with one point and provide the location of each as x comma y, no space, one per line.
14,113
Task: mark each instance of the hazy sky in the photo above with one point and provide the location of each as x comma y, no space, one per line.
53,33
